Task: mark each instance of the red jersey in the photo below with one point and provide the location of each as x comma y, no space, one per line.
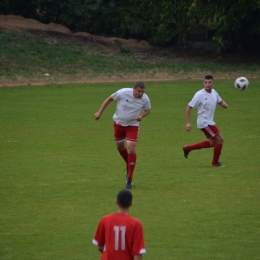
121,236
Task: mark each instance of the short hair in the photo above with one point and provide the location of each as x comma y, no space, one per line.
124,198
208,77
139,84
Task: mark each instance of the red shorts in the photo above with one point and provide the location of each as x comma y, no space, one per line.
210,131
130,133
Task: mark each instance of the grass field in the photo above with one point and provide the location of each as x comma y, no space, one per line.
60,173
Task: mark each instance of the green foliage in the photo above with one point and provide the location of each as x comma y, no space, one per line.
20,7
125,50
220,41
227,18
60,173
160,22
174,24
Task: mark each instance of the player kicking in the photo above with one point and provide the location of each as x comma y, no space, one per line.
205,101
132,105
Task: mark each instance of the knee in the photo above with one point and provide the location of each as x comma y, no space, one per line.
131,148
119,149
120,146
220,139
212,142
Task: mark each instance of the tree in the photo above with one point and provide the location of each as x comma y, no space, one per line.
161,22
229,19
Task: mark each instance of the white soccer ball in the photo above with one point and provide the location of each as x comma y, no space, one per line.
241,83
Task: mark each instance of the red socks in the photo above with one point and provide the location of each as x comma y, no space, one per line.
124,155
217,152
131,165
204,144
130,160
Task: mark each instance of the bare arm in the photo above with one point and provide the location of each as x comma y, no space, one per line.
102,108
145,113
223,104
138,257
188,124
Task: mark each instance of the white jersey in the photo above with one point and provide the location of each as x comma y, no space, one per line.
128,107
206,104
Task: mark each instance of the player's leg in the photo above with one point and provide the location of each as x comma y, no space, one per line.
120,145
210,132
131,148
188,148
219,140
132,139
119,136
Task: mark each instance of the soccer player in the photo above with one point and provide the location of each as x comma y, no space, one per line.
120,236
132,105
205,101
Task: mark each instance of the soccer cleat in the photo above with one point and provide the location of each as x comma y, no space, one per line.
218,164
186,153
128,184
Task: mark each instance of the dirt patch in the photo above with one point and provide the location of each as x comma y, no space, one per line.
60,32
142,49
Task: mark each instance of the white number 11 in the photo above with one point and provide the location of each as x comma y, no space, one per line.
120,230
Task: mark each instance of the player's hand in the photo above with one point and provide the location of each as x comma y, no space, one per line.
138,118
225,105
97,115
188,127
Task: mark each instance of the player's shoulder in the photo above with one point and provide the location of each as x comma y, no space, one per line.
214,91
199,93
125,89
135,221
122,92
108,216
145,97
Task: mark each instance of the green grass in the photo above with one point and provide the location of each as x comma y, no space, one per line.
60,173
25,59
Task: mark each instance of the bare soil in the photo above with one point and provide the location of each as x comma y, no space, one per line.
56,32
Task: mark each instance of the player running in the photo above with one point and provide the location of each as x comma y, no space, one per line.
205,101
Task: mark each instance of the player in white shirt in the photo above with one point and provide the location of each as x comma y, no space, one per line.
132,105
205,101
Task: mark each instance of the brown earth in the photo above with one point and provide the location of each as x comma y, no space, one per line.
61,33
56,32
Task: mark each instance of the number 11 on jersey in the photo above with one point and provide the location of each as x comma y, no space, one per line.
119,232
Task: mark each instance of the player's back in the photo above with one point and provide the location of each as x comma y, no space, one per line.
123,236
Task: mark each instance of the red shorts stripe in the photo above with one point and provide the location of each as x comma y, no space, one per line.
130,133
210,131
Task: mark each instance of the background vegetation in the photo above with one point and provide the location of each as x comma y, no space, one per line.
230,24
60,173
25,59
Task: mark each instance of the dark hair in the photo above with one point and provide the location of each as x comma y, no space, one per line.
208,77
139,84
124,198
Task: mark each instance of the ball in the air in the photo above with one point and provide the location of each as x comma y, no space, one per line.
241,83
